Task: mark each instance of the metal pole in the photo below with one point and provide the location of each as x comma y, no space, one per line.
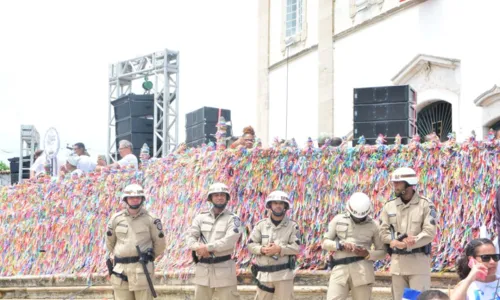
166,107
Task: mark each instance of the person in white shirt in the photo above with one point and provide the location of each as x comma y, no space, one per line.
85,163
37,167
40,164
128,158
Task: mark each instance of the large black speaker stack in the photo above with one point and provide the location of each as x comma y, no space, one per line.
387,110
201,125
134,121
14,169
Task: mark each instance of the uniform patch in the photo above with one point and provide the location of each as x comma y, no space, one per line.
298,235
157,222
237,222
297,242
433,212
433,222
109,233
161,235
236,230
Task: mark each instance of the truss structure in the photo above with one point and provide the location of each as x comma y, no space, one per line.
162,68
30,142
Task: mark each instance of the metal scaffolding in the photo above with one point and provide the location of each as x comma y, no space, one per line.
30,142
163,69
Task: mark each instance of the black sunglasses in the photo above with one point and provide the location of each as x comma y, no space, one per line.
488,257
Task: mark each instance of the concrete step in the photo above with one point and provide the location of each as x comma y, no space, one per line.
178,292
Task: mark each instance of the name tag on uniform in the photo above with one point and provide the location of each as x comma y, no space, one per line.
204,222
391,215
265,236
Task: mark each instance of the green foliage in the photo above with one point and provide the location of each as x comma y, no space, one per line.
3,166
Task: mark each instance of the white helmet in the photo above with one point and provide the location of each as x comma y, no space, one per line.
218,188
133,190
359,205
405,174
278,196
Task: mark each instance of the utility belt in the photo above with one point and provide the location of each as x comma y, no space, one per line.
270,269
125,260
425,249
344,261
132,259
215,260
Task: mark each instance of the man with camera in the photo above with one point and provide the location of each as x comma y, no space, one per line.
351,236
134,239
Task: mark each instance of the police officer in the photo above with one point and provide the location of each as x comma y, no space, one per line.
126,229
275,242
213,236
351,235
408,225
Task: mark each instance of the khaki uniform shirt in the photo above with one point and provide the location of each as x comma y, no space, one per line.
286,235
222,233
363,234
416,218
123,234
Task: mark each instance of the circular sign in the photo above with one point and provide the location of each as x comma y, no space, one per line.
51,142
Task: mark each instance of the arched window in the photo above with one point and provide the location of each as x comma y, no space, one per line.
435,117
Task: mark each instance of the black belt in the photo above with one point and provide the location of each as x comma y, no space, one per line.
265,288
345,261
413,251
127,260
272,268
215,260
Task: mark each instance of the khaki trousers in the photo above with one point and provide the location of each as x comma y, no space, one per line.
223,293
283,290
416,282
132,295
341,292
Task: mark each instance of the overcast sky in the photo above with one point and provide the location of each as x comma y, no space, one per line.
54,58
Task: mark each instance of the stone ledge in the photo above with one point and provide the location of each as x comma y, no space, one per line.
303,278
165,292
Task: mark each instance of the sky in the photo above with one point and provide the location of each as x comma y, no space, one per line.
55,55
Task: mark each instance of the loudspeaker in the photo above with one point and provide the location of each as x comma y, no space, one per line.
386,111
389,110
132,105
134,121
134,125
14,169
371,130
206,115
201,125
384,94
203,130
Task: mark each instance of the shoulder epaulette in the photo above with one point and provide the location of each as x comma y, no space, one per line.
260,221
118,214
427,199
390,200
